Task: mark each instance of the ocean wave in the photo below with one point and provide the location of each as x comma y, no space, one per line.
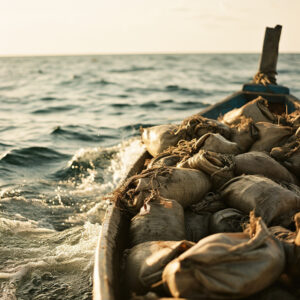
123,96
171,57
55,109
112,95
67,82
97,171
32,155
4,145
7,87
84,161
80,133
102,82
120,105
187,91
145,90
135,127
167,101
132,69
170,105
7,128
170,89
189,105
49,98
292,72
149,104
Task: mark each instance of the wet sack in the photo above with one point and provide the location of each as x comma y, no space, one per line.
289,155
158,220
196,225
256,109
186,186
217,143
227,265
219,167
227,220
274,203
196,126
145,262
164,160
260,163
270,135
244,133
159,138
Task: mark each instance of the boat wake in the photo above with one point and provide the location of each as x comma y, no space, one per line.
47,246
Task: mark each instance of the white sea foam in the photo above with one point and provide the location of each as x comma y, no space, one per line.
16,227
125,154
65,254
123,157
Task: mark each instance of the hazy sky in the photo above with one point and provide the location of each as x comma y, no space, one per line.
138,26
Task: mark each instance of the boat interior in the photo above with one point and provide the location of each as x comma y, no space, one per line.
115,229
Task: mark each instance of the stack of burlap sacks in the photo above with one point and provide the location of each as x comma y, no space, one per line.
214,215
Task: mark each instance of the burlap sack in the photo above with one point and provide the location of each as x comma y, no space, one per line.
283,234
294,119
270,136
274,292
293,256
196,126
145,263
260,163
256,109
210,203
244,133
227,265
158,220
293,162
186,186
164,160
274,203
227,220
196,225
218,166
179,153
289,155
217,143
159,138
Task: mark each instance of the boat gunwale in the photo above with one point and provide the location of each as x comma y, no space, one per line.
114,220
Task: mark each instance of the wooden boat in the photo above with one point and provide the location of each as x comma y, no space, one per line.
115,228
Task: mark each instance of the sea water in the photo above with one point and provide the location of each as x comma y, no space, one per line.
69,130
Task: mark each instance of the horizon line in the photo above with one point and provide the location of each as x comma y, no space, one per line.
137,53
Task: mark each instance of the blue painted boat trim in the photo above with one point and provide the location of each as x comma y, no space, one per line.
271,88
240,98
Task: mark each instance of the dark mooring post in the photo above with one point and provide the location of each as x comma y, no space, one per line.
268,61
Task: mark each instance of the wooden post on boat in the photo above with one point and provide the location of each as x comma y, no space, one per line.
268,61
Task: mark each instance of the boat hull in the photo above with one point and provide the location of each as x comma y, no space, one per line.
115,228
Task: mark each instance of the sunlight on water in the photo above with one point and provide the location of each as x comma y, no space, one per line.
125,157
122,156
69,134
39,262
34,268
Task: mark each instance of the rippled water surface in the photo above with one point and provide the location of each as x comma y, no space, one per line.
69,129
